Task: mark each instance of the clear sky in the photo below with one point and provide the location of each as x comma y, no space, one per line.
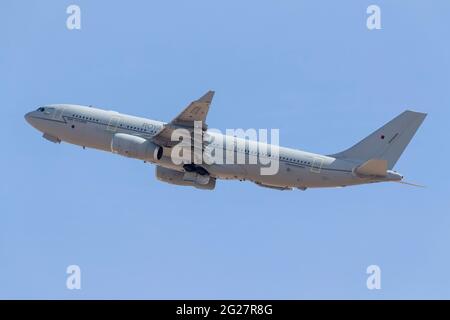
310,68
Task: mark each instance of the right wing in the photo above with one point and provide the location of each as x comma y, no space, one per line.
193,116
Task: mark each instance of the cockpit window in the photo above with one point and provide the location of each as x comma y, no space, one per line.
41,109
49,110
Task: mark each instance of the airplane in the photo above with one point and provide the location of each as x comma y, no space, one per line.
370,160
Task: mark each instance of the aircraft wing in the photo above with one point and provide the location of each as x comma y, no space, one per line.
196,111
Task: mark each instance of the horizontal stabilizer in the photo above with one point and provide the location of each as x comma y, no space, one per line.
373,167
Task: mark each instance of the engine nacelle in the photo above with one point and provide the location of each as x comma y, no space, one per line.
185,178
135,147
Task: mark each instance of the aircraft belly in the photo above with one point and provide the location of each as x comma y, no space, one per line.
284,177
328,179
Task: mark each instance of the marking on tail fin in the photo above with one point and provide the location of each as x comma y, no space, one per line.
395,136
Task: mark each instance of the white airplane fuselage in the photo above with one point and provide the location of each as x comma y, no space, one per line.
95,128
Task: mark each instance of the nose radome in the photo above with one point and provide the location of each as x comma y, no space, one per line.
27,117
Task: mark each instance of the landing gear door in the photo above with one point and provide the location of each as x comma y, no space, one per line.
113,123
317,165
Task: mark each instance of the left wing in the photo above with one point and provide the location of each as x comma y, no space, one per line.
196,111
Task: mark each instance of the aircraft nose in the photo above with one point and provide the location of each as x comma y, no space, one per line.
27,117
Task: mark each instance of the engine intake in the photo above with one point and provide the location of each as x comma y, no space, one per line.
135,147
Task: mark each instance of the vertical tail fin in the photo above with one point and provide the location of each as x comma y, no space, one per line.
388,142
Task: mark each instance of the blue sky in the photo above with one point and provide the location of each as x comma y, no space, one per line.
310,68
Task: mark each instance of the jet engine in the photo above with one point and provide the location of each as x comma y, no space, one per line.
135,147
180,178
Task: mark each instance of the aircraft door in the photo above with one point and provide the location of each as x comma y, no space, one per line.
113,123
317,165
57,115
